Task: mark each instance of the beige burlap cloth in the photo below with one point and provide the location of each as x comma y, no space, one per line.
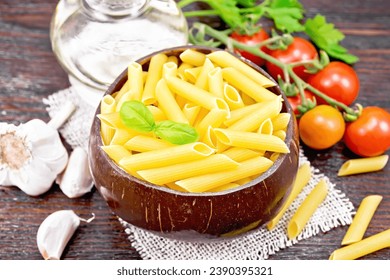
335,211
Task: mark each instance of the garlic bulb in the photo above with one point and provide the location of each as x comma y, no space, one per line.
55,232
76,180
31,156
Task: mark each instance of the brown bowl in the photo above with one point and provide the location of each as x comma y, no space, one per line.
194,216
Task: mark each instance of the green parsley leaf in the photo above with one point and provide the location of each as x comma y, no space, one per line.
286,15
327,38
176,133
135,115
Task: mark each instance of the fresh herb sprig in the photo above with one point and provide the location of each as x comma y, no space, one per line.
243,16
135,115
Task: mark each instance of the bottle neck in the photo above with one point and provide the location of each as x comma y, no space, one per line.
115,8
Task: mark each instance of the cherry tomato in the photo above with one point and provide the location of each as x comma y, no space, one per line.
369,135
295,101
337,80
254,39
321,127
299,50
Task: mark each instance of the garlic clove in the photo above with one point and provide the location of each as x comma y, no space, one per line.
76,179
55,232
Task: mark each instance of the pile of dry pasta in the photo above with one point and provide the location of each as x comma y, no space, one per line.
240,125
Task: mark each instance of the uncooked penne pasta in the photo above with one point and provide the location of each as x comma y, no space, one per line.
266,109
127,96
301,180
246,85
121,136
280,134
172,173
173,59
225,187
193,57
215,82
167,156
107,132
125,88
225,59
112,120
135,78
239,113
191,111
191,74
107,105
364,247
363,165
362,219
232,97
181,68
214,118
157,113
202,79
251,140
155,74
266,127
167,103
169,68
307,209
281,121
195,94
203,183
143,143
116,152
241,154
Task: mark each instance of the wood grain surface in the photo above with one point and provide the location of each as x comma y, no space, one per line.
29,72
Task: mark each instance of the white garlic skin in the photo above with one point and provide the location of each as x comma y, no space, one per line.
48,158
76,179
55,232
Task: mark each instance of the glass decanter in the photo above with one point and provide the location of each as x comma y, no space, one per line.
95,40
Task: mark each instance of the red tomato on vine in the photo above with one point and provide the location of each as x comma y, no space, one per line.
338,81
250,40
299,50
369,135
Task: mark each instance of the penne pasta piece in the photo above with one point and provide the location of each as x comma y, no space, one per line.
364,247
191,74
193,57
157,113
362,219
211,139
241,154
107,132
214,118
246,85
172,173
121,136
225,59
251,122
274,156
181,68
125,88
247,100
167,156
266,127
155,74
237,114
307,209
167,103
135,78
107,105
116,152
281,121
175,187
127,96
251,140
195,94
215,82
112,120
232,97
301,180
143,143
280,134
243,181
225,187
191,111
202,183
169,68
202,79
363,165
173,59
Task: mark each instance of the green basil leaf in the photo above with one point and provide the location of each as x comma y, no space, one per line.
135,115
176,133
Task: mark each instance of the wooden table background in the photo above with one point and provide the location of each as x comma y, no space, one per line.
29,72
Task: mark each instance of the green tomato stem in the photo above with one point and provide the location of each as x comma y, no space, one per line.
225,39
201,13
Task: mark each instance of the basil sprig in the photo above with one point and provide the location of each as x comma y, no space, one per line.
135,115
